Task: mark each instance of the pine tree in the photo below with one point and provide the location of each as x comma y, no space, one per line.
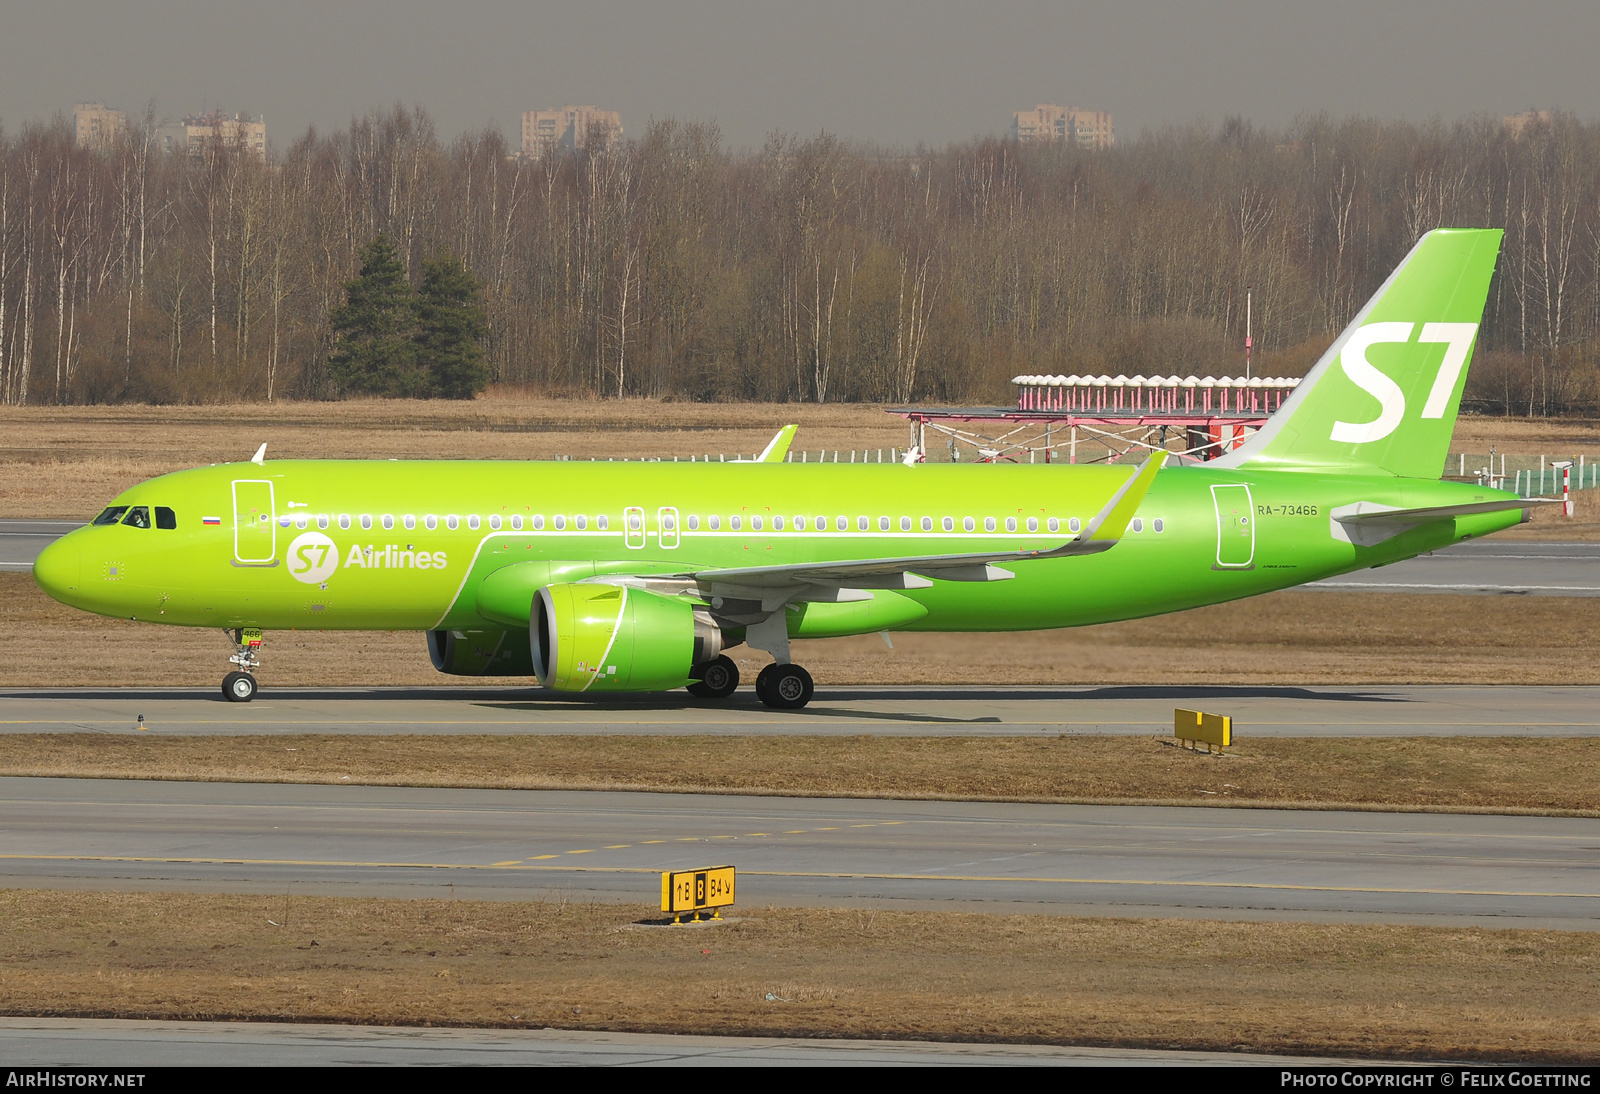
451,323
375,351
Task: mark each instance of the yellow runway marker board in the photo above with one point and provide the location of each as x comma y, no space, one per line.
685,893
1206,729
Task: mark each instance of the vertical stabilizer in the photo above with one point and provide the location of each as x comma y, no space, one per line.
1383,399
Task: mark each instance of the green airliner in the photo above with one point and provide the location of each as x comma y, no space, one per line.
637,576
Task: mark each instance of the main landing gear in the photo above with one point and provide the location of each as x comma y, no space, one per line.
240,687
784,687
717,679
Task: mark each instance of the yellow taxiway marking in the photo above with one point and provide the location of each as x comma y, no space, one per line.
511,862
536,858
1251,885
585,851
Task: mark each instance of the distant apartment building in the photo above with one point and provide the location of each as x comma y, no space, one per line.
197,131
1515,123
571,127
1084,128
96,126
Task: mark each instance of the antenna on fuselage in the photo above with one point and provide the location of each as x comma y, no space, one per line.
261,453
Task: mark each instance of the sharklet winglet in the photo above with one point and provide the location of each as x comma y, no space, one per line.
778,447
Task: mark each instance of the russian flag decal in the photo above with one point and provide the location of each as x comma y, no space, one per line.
210,520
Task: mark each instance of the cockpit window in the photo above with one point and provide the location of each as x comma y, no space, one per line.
138,517
111,515
166,518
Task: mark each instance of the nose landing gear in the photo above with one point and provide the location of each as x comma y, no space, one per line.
240,687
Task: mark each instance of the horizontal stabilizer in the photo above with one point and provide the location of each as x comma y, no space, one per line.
1369,523
1371,512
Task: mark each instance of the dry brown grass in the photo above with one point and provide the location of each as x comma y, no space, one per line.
67,462
1400,992
1527,436
1496,774
1290,637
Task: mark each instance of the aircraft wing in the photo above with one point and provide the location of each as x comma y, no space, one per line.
913,571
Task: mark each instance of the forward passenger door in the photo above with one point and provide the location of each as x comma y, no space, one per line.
255,526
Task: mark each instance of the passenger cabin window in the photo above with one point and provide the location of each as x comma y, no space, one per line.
409,521
538,522
494,522
302,521
111,515
927,524
366,522
905,524
755,524
560,522
733,522
863,523
1011,524
322,521
777,523
580,522
472,522
883,524
1033,524
1159,525
694,524
799,523
283,522
714,522
138,517
1138,524
431,522
388,522
601,522
949,524
516,522
166,518
988,524
1054,525
452,522
968,524
1074,525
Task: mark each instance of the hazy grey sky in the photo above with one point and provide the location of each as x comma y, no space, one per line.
891,72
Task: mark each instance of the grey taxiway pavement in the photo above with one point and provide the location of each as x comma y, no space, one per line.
1486,567
1376,711
980,856
123,1045
22,540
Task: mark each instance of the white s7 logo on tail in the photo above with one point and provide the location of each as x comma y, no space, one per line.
1392,401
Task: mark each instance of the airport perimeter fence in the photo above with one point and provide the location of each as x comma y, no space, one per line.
1529,476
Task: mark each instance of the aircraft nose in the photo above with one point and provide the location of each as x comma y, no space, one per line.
57,569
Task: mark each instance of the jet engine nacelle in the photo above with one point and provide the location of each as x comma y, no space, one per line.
481,652
615,638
